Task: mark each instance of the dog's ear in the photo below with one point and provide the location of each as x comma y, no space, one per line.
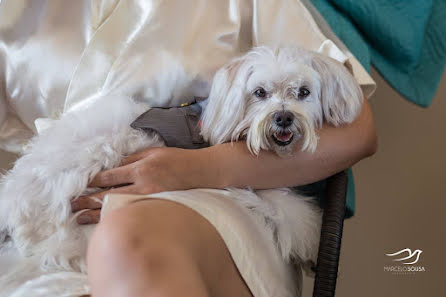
341,97
226,103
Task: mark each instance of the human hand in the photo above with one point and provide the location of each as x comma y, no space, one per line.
150,171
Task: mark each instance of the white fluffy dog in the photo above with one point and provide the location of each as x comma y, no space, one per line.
274,99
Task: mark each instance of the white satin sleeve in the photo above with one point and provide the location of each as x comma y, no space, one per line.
40,47
13,133
297,22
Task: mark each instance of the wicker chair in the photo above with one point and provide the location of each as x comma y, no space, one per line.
331,234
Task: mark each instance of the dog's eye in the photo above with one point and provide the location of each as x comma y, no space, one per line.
303,92
260,93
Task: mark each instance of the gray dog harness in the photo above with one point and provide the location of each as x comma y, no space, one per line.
177,126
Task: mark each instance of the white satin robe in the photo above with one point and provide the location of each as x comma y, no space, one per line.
56,55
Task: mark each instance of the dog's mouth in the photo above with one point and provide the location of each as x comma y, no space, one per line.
283,138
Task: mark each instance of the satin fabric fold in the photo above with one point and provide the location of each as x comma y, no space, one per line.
39,50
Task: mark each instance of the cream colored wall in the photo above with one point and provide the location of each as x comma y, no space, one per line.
401,201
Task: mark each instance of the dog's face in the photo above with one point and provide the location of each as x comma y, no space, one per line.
282,102
277,99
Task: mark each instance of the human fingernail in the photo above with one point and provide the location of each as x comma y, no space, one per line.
74,206
84,219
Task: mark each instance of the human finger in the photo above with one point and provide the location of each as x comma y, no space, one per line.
89,217
94,201
112,177
134,157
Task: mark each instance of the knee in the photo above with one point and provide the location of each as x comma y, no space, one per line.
127,239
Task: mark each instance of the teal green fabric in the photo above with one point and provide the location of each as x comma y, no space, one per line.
404,39
317,190
351,194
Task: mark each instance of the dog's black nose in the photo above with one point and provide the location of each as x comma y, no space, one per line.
283,118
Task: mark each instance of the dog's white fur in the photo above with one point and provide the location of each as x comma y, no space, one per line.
35,214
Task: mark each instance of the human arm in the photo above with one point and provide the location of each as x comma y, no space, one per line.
338,148
231,164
